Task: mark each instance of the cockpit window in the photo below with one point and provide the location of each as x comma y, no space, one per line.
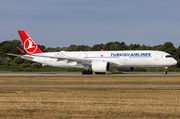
168,56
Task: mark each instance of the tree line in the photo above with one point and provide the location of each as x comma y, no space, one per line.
10,47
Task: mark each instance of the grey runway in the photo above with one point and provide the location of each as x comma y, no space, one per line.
95,85
88,85
78,74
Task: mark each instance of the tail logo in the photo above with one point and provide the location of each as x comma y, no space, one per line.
30,46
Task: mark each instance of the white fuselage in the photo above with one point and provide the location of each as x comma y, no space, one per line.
143,58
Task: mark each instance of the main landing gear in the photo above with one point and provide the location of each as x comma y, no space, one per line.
165,70
90,72
100,72
87,72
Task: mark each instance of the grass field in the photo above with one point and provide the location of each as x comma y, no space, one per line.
107,103
89,79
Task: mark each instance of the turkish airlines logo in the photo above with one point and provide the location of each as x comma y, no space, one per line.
30,46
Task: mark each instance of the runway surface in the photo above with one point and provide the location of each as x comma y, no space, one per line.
77,74
94,85
88,85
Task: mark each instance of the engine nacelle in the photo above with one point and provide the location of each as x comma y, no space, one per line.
126,69
101,66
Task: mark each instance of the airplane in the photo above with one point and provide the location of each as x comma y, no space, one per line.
99,61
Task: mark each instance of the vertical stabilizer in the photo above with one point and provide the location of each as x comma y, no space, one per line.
28,43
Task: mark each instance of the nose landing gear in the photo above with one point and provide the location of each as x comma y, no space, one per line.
165,70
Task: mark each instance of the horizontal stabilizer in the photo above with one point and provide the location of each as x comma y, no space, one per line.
21,50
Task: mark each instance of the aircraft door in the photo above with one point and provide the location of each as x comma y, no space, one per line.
156,57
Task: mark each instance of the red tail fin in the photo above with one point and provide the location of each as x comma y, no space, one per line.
29,45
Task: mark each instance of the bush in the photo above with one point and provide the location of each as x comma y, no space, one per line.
1,60
74,70
2,55
18,60
24,65
140,69
36,65
7,61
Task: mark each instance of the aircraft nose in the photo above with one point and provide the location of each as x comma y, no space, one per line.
174,62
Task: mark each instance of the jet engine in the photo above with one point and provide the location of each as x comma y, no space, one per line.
101,66
126,69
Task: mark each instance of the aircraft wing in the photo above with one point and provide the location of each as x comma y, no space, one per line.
69,59
82,61
78,60
22,56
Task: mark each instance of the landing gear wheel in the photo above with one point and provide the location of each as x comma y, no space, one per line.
165,70
83,72
100,72
87,72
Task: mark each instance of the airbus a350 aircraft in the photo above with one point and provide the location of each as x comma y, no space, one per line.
99,61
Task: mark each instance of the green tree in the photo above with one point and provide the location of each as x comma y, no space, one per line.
97,47
83,48
144,47
2,55
178,53
114,47
72,48
49,49
107,46
62,49
168,47
161,48
131,46
178,63
10,46
7,61
3,43
42,47
1,60
123,46
36,65
18,60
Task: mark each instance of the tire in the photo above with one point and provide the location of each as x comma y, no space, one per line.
83,72
90,72
87,72
165,72
100,72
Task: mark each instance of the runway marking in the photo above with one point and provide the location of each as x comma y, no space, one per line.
94,85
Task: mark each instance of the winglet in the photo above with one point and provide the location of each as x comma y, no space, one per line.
102,50
28,43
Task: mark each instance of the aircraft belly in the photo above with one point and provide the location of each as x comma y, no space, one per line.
133,62
65,64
